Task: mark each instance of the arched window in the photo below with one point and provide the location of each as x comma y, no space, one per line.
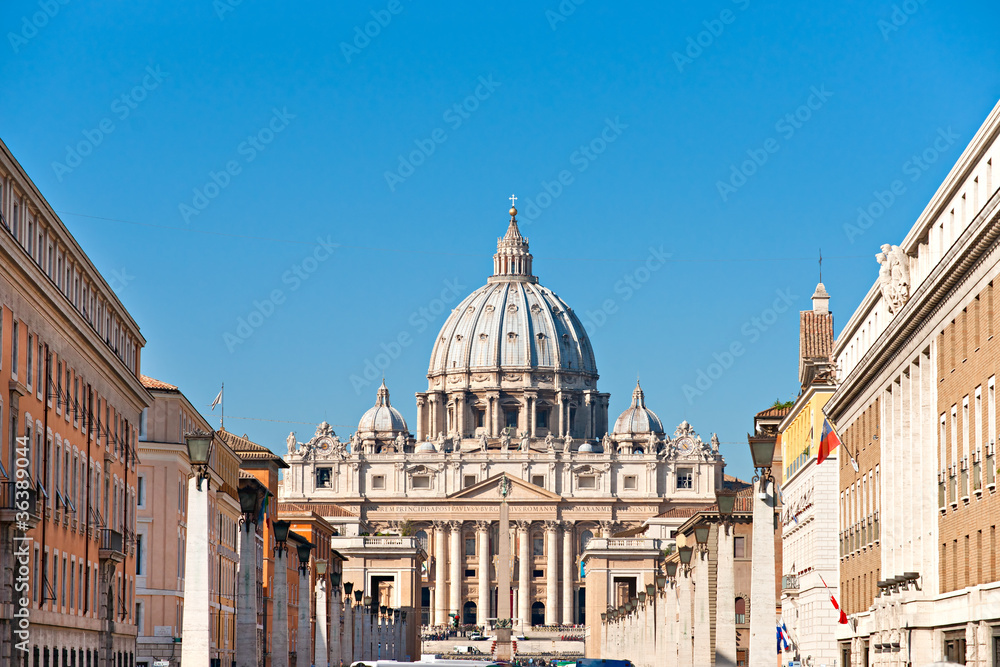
741,611
422,539
585,537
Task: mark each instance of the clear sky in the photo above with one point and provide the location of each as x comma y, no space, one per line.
208,156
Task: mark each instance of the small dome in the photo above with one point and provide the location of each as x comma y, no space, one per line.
638,419
426,448
586,448
382,420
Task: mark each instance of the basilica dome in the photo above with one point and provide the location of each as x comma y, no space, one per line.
513,322
382,420
638,419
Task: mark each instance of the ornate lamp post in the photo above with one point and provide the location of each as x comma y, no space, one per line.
725,584
762,582
195,649
303,642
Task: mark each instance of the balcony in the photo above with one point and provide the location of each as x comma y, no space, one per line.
18,506
112,546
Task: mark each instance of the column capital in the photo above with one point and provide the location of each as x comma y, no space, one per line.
440,525
483,526
455,525
522,525
551,526
567,525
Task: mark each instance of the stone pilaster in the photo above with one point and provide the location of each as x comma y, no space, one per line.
551,573
279,632
762,595
440,573
524,574
336,643
246,606
322,656
347,647
195,651
685,639
725,602
702,622
303,642
567,572
483,547
455,599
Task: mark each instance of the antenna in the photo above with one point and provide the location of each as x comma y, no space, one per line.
821,265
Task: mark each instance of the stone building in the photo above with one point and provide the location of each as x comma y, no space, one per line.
512,388
69,359
810,490
916,406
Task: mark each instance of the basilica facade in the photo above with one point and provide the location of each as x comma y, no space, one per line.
512,390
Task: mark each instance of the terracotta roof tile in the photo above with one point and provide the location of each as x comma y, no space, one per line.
322,509
774,412
153,383
247,449
815,335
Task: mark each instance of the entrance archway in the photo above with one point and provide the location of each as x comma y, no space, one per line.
469,613
537,614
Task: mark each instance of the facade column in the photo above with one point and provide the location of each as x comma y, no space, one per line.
322,656
725,601
762,596
455,601
440,573
524,574
246,607
483,603
279,631
551,573
533,425
303,642
421,415
567,573
560,418
336,645
702,623
195,649
685,649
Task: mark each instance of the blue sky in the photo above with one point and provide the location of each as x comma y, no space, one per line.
208,155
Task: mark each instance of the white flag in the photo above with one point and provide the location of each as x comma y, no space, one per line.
218,399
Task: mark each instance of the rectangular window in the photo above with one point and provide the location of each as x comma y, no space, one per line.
378,482
685,478
140,491
480,418
421,482
468,480
538,480
470,546
587,482
138,556
542,417
470,574
537,546
13,349
39,387
631,483
739,547
30,361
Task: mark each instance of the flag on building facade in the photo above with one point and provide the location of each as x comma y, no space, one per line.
828,442
833,599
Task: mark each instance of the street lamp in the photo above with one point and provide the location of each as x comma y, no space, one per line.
321,567
281,529
701,535
251,496
650,590
348,587
357,596
304,549
685,553
727,503
335,579
661,581
672,569
199,446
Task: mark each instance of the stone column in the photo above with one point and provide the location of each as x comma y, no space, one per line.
762,596
483,603
246,607
533,425
649,632
347,648
567,573
195,649
303,643
279,600
725,601
359,646
524,574
551,573
321,659
671,631
455,601
440,573
336,644
702,622
685,649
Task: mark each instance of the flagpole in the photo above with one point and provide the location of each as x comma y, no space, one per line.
222,419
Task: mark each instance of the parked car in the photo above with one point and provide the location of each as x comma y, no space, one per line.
476,637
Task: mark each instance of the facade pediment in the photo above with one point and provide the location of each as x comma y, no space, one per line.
489,489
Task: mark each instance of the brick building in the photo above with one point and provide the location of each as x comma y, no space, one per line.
69,358
917,365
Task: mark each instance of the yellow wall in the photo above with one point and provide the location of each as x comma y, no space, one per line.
800,440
